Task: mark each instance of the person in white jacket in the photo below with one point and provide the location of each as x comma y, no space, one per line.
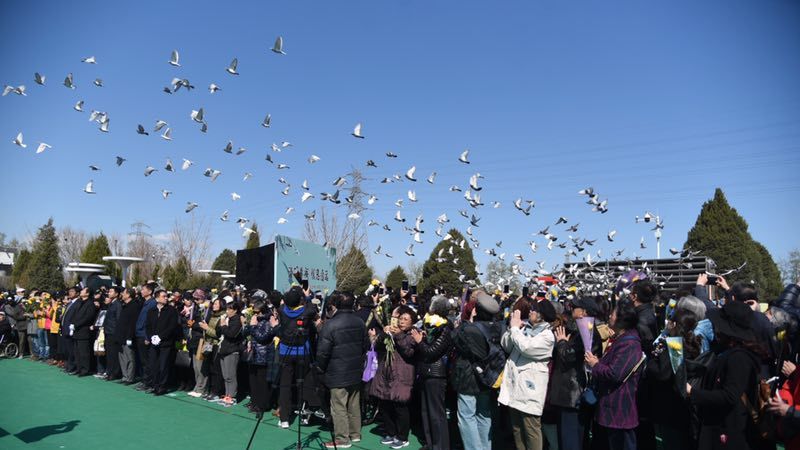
524,387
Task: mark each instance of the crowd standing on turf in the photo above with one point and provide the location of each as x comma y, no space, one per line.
700,368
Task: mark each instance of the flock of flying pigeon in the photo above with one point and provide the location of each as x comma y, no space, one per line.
573,245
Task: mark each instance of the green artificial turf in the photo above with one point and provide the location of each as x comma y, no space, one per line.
43,408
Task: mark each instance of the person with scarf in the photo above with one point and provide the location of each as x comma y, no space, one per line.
394,379
433,344
193,333
529,342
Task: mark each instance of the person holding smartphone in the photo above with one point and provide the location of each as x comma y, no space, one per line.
261,330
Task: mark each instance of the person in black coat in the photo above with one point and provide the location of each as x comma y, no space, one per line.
723,415
82,335
109,330
341,349
643,294
67,330
432,349
125,334
161,327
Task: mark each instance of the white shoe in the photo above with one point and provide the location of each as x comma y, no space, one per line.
194,394
283,424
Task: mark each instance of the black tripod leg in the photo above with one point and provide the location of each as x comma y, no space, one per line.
259,416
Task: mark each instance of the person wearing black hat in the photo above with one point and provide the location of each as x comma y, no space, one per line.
732,378
568,378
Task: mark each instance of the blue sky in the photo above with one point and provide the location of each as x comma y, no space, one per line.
653,105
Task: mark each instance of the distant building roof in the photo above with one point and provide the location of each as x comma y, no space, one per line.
6,259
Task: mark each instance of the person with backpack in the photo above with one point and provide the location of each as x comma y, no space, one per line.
479,362
395,376
729,391
616,377
529,342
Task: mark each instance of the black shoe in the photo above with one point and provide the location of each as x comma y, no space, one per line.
142,387
158,392
127,383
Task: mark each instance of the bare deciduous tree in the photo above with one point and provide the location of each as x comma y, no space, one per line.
191,240
71,244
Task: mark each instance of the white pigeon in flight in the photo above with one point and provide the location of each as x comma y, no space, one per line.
190,206
165,193
266,121
39,78
306,196
42,147
186,164
278,46
89,189
235,196
68,81
410,173
89,60
174,59
233,66
18,141
357,131
463,157
167,136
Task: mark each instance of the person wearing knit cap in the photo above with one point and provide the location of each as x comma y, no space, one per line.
296,333
474,398
433,344
529,341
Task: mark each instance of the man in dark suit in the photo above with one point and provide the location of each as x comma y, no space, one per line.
125,334
113,348
161,327
67,330
82,336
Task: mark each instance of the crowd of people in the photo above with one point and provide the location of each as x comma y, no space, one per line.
699,368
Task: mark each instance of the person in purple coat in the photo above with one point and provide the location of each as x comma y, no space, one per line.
616,378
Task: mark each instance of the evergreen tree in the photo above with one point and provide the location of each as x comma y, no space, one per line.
22,262
226,260
721,234
95,250
136,275
444,272
395,277
176,276
254,241
45,265
353,274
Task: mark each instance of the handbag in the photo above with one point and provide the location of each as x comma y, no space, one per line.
371,366
183,359
198,354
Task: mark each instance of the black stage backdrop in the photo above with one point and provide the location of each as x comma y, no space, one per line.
255,268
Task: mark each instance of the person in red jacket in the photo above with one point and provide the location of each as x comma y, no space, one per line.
785,406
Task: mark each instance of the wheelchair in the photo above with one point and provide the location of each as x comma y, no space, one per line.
8,346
